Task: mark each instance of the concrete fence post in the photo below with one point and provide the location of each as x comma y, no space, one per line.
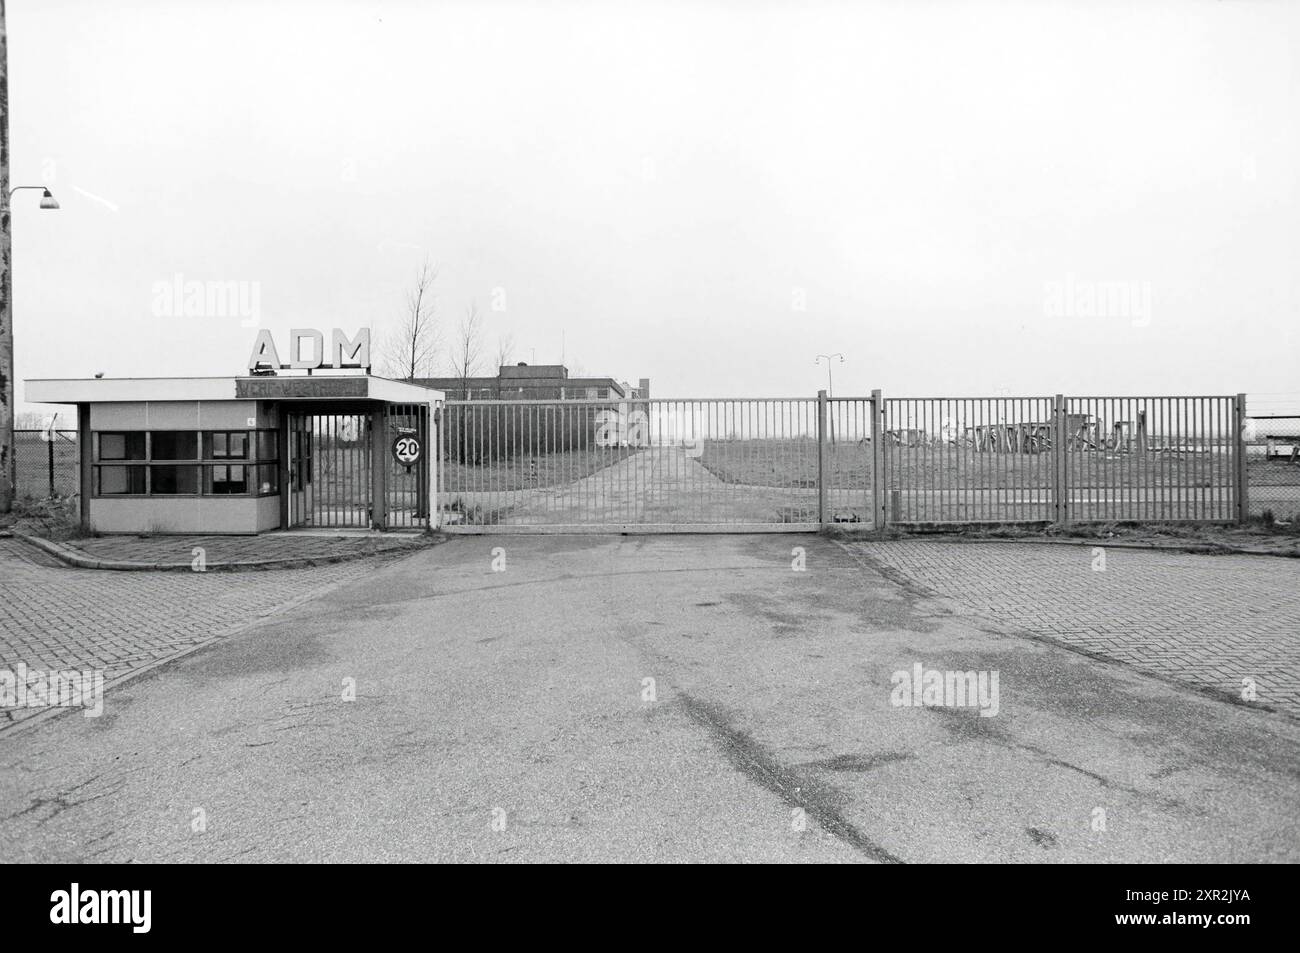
1241,485
879,512
1060,461
379,469
432,473
823,468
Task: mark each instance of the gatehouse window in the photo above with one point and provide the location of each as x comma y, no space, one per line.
186,463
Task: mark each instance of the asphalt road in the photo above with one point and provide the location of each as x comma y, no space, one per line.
506,716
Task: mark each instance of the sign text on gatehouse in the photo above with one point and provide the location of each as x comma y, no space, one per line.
343,351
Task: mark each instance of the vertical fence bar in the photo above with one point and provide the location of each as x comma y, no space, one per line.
1057,430
1240,485
878,511
379,473
821,457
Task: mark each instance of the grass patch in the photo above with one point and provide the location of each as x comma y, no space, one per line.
56,518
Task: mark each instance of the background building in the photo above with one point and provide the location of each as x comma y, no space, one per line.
534,382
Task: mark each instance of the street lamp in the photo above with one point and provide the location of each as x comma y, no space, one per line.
47,197
827,357
9,476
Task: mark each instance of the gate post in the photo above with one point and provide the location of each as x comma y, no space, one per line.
378,468
1240,484
878,512
1060,462
433,449
822,408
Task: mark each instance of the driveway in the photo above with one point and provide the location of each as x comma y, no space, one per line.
657,485
659,698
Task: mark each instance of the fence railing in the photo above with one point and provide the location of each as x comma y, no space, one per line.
1062,459
1273,465
46,463
611,464
803,462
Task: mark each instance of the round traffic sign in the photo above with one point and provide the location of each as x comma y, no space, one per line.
406,449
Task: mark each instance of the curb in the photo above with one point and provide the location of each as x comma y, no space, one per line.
1205,549
72,557
1196,548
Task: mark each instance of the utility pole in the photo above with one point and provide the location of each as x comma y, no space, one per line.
8,463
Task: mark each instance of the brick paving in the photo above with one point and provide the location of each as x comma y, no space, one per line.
1209,621
55,617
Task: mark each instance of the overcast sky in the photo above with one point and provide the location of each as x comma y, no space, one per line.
705,194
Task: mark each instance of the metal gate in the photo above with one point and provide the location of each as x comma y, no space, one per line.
653,465
798,464
406,481
333,479
1062,459
329,470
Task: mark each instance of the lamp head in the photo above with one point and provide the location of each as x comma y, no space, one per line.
48,200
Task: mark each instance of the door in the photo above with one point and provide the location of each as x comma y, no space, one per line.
300,470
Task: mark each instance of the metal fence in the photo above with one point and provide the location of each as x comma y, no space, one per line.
1061,459
1273,464
46,463
610,465
799,463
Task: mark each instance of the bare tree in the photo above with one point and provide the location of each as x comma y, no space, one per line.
411,350
505,349
468,347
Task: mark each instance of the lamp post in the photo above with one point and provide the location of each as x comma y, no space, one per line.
8,405
830,391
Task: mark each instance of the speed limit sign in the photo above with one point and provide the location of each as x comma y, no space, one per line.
406,449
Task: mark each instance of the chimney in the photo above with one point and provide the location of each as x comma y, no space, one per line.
644,388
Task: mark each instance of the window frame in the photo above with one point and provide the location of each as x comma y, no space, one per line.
205,466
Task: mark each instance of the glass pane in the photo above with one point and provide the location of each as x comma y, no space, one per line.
121,446
112,446
168,481
174,444
117,481
266,445
218,445
268,478
229,480
237,445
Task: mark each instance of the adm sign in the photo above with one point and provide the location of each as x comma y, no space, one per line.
343,351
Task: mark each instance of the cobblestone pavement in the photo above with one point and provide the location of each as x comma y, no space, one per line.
53,617
1210,621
